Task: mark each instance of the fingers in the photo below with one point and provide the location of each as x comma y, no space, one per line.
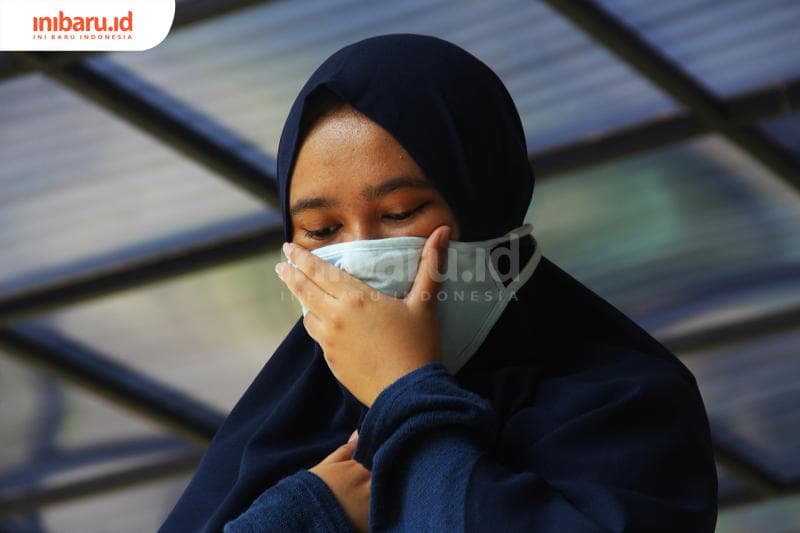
314,326
310,294
431,264
325,275
342,453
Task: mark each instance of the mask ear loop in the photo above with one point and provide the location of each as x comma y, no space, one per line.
515,233
527,271
506,292
529,249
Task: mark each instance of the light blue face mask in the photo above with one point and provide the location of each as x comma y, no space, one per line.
472,294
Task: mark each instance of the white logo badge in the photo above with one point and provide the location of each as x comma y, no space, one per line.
87,25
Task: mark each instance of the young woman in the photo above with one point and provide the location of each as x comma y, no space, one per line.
489,389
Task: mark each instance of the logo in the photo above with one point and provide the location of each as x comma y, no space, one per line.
87,25
83,27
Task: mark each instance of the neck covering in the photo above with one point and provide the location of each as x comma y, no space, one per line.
456,119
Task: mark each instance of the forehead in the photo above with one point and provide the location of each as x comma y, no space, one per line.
347,149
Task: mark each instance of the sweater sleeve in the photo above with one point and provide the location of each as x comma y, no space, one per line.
427,441
299,502
420,439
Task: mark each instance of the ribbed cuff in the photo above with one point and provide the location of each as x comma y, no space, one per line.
322,496
428,394
300,502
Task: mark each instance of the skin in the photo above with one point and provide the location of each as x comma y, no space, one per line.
352,181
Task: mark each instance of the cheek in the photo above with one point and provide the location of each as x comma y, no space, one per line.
432,219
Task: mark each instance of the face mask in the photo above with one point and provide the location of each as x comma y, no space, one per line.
480,279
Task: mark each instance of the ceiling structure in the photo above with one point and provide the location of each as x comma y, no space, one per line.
139,227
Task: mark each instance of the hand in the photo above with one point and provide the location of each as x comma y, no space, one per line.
349,481
369,339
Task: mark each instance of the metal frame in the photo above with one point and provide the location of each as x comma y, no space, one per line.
746,109
743,329
244,165
57,354
172,122
218,246
20,486
624,42
33,499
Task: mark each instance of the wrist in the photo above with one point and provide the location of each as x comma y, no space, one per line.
397,378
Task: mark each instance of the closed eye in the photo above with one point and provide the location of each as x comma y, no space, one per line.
323,233
405,214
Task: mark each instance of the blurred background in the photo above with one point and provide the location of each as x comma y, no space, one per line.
138,230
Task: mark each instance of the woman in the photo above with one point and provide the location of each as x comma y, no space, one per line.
535,407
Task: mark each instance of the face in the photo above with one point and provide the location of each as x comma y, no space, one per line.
352,181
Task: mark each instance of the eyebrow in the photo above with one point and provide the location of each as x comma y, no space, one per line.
370,193
391,185
316,202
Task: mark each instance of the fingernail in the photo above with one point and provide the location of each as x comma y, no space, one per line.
279,268
445,238
287,248
353,436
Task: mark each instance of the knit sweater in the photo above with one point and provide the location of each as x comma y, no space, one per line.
602,452
420,439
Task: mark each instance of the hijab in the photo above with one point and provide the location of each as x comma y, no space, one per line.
456,119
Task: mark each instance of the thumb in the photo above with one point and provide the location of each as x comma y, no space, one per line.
342,453
432,262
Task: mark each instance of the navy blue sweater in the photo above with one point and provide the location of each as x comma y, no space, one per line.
420,439
426,441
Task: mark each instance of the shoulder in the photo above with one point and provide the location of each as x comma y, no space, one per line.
606,374
627,410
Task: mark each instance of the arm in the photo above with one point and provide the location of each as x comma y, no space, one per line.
603,467
300,502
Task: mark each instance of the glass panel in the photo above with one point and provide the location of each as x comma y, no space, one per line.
774,516
731,489
19,410
676,236
752,396
35,408
53,433
786,130
255,61
732,46
206,334
134,510
81,188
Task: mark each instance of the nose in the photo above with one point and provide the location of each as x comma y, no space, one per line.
363,231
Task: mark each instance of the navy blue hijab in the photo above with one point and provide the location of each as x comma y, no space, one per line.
556,355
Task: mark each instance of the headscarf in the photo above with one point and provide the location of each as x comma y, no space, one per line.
454,116
449,111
